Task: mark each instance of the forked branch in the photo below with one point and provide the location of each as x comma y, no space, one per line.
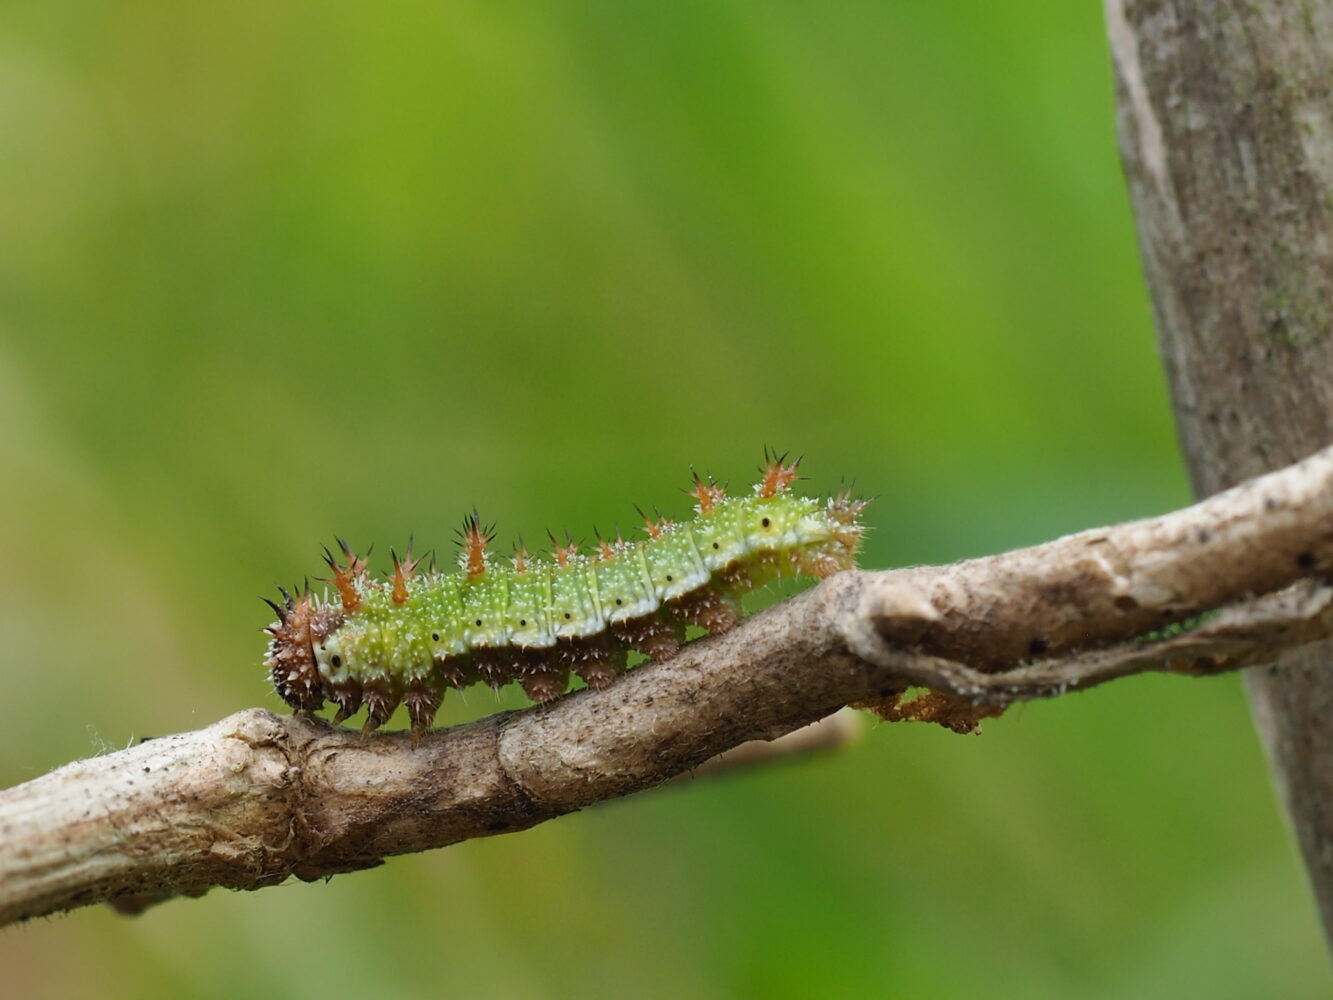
257,798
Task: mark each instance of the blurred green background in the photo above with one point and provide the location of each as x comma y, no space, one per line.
271,272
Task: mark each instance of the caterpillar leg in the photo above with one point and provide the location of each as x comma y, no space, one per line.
655,636
597,660
546,684
423,701
710,608
347,696
494,665
381,696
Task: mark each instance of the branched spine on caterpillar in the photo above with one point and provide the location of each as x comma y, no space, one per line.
405,639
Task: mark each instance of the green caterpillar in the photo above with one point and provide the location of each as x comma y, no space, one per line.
405,639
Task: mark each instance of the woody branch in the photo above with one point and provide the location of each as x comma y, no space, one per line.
256,798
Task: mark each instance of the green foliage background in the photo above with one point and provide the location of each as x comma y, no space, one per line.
274,271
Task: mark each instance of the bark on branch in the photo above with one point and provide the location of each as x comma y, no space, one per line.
257,798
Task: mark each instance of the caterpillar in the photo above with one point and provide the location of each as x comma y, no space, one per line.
405,639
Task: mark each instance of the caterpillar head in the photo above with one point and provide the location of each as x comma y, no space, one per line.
302,626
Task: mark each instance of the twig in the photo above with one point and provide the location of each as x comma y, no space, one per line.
256,798
829,733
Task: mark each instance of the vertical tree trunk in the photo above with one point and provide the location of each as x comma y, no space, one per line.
1226,131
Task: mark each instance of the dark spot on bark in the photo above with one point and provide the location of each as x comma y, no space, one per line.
1038,646
1204,535
496,826
1306,560
1126,603
1270,503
